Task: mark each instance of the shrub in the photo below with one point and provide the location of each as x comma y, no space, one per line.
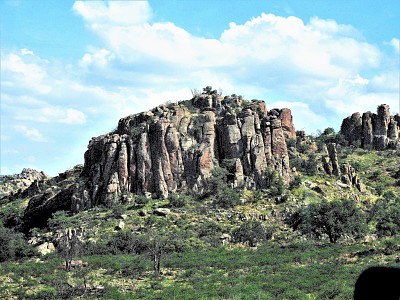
13,245
219,191
386,213
141,199
210,232
295,182
311,165
252,232
179,200
126,242
273,182
332,219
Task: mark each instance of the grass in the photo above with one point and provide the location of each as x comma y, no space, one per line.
299,270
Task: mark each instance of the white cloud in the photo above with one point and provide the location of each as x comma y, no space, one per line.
113,12
320,69
25,51
52,115
31,133
395,43
24,73
99,58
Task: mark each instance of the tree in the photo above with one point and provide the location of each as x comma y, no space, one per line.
219,191
13,245
311,165
158,243
386,213
252,232
68,242
333,219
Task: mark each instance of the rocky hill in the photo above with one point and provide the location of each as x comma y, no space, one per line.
175,147
373,131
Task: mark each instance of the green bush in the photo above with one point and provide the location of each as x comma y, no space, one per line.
252,232
179,200
386,213
210,232
219,191
333,219
311,165
126,242
274,183
142,200
13,245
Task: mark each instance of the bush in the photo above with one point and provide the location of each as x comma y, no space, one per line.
311,165
332,219
295,183
141,199
13,245
274,183
179,200
126,242
210,232
252,232
219,191
386,213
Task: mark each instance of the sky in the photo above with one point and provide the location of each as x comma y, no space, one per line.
71,69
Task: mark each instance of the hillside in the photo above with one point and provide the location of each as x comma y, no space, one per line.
209,198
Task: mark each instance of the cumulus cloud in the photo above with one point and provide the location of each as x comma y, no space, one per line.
101,14
31,133
24,70
395,43
319,68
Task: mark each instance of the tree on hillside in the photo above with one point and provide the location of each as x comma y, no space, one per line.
386,213
219,190
68,242
334,220
13,245
252,232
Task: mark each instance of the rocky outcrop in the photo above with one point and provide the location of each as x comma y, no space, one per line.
20,185
373,131
345,172
62,192
175,147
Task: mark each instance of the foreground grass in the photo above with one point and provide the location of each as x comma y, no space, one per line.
301,270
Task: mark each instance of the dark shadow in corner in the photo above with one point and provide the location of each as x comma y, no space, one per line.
378,283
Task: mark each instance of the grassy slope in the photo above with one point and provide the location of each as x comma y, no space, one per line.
301,270
285,268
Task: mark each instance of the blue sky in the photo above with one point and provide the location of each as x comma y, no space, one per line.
71,69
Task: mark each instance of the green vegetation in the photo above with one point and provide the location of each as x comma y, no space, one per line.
307,239
333,219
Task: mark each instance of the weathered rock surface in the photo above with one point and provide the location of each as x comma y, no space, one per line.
345,172
13,186
62,192
175,147
373,131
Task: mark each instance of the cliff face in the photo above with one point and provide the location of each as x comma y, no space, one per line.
373,131
176,146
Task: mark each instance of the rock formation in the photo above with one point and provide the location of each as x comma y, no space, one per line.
176,146
373,131
345,172
13,186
